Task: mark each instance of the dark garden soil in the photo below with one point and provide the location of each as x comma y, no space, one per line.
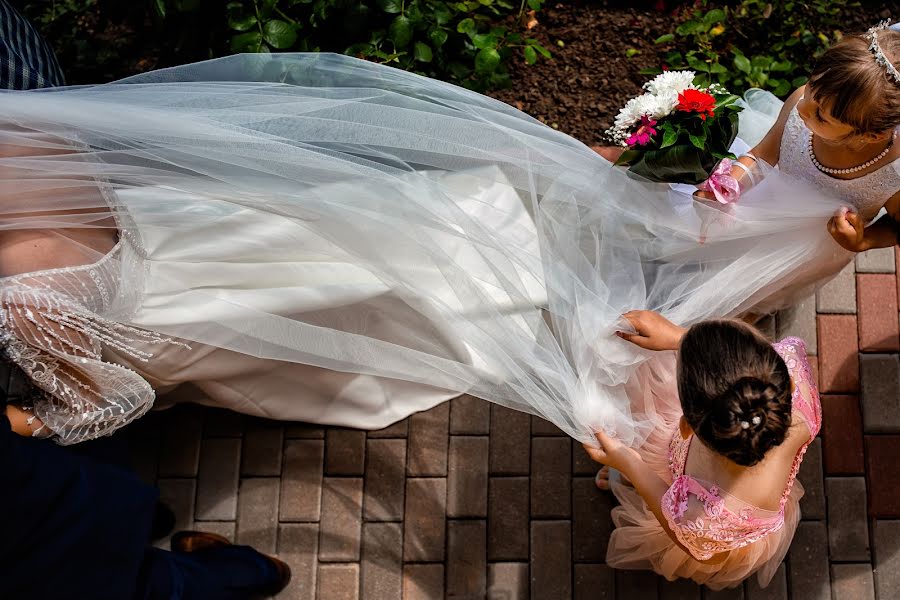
591,75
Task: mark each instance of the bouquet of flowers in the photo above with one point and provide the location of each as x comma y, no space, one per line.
676,132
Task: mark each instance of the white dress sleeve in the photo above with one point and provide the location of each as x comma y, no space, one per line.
57,343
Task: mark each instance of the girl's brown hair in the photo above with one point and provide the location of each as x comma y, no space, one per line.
854,88
735,390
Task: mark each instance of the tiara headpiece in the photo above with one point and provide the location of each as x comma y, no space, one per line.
876,51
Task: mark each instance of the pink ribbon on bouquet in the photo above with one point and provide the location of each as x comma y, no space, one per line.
724,187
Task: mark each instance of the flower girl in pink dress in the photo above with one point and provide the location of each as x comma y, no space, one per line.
712,494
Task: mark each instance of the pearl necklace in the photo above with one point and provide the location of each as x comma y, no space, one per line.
830,171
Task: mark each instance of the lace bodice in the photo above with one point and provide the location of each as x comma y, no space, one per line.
708,520
867,193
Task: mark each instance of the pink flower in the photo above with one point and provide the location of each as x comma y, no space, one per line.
642,136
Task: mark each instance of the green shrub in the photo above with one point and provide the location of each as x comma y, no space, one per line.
457,40
754,43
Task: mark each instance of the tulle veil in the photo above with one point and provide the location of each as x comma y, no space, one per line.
387,167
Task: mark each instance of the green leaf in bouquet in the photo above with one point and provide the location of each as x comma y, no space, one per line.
670,136
699,141
628,157
677,164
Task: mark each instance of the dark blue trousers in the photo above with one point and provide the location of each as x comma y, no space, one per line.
227,573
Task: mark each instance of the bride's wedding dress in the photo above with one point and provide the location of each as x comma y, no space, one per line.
319,238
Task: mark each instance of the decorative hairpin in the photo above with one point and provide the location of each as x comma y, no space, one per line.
876,51
755,420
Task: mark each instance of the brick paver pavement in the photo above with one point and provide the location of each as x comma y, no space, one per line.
474,501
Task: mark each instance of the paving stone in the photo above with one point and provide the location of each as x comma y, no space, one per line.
263,448
878,260
680,589
853,581
178,495
428,440
551,559
814,367
341,525
594,581
886,540
839,294
848,532
423,582
424,519
591,521
508,518
257,523
470,416
879,327
466,559
338,582
298,546
551,477
345,452
581,462
382,563
507,581
808,562
301,483
217,481
882,458
880,392
838,348
385,479
467,476
218,422
400,429
637,584
542,427
843,436
227,529
510,441
812,505
776,590
180,443
735,593
304,431
799,321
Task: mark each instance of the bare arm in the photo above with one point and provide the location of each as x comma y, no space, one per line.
848,230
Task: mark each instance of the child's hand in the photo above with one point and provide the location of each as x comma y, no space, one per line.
613,453
654,331
847,229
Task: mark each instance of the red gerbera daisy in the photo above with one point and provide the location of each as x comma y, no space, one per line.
696,101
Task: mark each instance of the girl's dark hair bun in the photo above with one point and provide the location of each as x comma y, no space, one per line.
735,390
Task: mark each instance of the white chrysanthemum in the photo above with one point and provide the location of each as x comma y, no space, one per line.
671,82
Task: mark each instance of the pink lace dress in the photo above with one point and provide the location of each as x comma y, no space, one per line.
705,518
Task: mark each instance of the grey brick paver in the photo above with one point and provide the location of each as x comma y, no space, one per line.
551,477
298,546
301,483
848,531
681,589
382,561
594,581
470,416
338,581
467,476
428,439
886,536
217,481
257,521
507,581
811,476
425,515
776,590
839,294
263,445
466,559
808,574
852,581
423,581
385,480
508,518
880,382
510,442
551,559
340,528
345,452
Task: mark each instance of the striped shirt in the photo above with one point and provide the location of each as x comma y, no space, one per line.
26,61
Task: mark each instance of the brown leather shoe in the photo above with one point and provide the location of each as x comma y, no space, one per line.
284,576
192,541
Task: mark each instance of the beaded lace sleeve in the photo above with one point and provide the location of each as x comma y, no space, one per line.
57,343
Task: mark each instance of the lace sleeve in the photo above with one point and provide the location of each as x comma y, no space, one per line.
57,344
